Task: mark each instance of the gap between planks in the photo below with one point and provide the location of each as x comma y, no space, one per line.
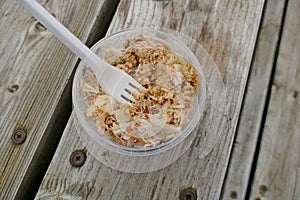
24,183
58,121
254,104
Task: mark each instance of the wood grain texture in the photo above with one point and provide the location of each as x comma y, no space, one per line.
35,70
227,29
244,146
277,172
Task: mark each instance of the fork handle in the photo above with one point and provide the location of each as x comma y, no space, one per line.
64,35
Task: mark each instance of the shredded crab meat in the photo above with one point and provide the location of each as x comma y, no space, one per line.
161,109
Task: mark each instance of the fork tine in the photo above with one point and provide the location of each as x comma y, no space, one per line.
128,98
135,85
132,88
120,85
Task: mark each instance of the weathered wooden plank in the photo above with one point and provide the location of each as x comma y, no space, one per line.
228,30
34,88
277,172
244,146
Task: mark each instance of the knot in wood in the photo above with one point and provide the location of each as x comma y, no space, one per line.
13,88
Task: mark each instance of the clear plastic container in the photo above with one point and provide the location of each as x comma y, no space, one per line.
131,159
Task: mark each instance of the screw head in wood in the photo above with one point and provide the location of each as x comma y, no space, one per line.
19,136
233,195
77,158
188,194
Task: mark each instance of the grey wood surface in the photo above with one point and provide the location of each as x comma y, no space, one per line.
248,129
277,171
228,30
34,77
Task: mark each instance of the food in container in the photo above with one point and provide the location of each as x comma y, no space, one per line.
160,109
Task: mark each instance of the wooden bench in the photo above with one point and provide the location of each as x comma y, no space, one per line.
256,46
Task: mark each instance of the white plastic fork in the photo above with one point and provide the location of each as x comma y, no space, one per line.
114,81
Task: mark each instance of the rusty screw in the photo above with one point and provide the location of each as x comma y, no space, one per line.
188,194
19,136
78,158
